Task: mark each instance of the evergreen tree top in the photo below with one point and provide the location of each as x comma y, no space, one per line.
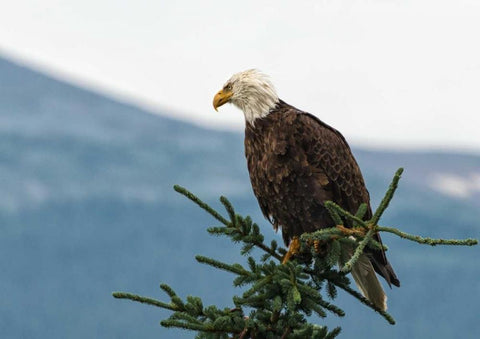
279,297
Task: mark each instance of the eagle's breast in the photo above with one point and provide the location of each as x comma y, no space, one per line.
287,187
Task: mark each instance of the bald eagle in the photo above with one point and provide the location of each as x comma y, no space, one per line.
296,163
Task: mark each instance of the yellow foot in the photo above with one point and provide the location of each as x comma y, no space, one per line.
292,249
316,246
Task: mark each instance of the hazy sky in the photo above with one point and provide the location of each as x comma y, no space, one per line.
385,73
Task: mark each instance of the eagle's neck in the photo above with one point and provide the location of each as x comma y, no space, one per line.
279,107
258,105
257,130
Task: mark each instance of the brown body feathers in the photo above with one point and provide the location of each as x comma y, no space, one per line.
296,163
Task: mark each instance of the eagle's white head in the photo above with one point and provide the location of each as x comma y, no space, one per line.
251,91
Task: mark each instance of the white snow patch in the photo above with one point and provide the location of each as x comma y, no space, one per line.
456,185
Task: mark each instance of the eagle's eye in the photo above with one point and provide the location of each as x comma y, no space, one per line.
228,87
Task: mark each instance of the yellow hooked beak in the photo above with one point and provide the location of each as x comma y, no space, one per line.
222,97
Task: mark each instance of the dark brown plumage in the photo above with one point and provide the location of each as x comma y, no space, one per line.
296,163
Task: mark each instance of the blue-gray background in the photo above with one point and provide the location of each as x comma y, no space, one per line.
87,208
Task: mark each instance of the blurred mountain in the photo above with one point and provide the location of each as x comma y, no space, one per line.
87,208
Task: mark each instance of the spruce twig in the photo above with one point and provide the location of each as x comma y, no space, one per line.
333,207
183,191
428,241
235,268
144,300
387,198
333,232
358,251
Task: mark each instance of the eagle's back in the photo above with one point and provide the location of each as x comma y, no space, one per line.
296,162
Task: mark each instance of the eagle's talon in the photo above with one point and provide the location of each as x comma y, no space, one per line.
293,249
316,246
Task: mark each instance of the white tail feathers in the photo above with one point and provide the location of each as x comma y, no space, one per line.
367,281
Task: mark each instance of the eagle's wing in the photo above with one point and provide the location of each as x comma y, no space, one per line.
331,157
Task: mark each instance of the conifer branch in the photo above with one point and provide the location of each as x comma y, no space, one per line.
334,232
280,296
144,300
235,268
183,191
336,331
333,207
167,289
428,241
366,302
334,212
233,218
373,227
358,251
387,198
188,325
362,210
228,206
